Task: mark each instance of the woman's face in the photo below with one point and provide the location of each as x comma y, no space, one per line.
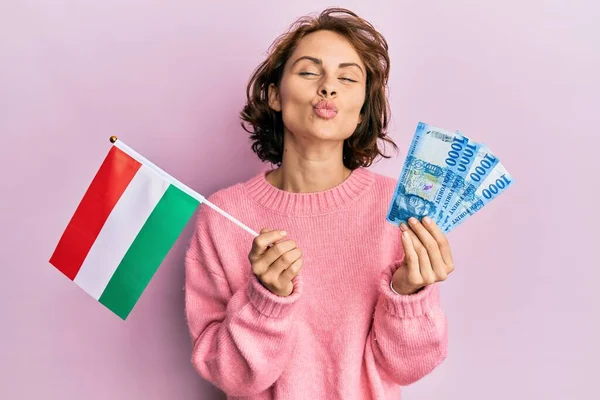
322,89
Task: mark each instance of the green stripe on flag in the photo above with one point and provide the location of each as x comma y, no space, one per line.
148,250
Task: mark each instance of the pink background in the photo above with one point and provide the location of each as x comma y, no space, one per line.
169,78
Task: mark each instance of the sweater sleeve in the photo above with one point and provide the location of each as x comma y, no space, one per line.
242,341
408,336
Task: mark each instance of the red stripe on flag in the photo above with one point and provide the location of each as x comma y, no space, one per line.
111,180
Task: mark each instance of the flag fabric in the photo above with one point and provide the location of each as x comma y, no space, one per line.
127,221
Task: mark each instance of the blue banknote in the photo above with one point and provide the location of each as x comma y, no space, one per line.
421,181
484,163
446,176
461,158
496,183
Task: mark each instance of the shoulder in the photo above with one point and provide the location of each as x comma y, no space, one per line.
228,196
383,184
232,199
379,197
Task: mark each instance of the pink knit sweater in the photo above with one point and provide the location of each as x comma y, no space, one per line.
342,333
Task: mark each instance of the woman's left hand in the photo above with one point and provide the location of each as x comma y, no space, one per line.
427,256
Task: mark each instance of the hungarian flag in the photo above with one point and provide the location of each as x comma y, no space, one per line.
129,218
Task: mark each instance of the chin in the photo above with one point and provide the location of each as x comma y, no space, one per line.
326,134
327,130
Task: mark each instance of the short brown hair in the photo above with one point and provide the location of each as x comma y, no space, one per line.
362,147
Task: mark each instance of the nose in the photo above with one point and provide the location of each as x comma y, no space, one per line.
327,89
328,92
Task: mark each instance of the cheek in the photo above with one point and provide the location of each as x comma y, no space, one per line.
292,113
296,103
355,105
358,100
295,92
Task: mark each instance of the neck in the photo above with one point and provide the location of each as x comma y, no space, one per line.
262,191
309,167
308,179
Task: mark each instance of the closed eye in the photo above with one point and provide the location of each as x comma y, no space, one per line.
304,73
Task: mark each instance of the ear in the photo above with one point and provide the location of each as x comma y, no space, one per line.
359,119
274,102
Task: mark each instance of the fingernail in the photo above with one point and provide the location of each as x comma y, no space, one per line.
412,220
427,220
403,227
283,233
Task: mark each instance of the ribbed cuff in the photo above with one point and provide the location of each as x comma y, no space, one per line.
270,304
392,287
411,305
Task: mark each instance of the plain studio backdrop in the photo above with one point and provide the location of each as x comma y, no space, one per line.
169,78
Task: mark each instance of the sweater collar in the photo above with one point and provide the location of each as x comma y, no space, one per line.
313,203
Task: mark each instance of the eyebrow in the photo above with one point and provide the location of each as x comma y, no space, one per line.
318,61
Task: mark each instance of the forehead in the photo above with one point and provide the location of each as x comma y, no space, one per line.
329,46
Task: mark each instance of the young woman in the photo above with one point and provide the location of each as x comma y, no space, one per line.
330,301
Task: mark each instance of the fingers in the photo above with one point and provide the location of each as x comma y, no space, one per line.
278,266
431,247
277,251
293,270
442,242
411,259
283,264
425,267
275,261
261,243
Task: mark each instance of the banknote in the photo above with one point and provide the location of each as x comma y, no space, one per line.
496,183
446,176
461,158
484,163
420,186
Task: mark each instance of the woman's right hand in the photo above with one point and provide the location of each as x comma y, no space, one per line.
275,264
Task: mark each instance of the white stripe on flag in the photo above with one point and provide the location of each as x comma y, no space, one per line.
121,228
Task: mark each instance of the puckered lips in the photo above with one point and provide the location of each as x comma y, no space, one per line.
325,109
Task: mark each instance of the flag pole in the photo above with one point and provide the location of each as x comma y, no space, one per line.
115,141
